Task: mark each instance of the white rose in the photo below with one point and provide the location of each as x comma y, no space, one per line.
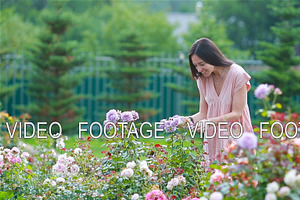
135,197
53,183
143,165
131,165
78,151
174,181
216,196
283,191
271,196
149,173
181,179
290,178
60,180
272,187
127,172
170,186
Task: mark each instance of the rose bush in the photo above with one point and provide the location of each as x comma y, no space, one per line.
255,166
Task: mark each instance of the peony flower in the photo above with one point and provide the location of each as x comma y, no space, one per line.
262,91
112,116
284,191
15,150
216,177
127,173
247,141
272,187
290,178
126,116
60,180
135,115
135,197
277,91
271,196
156,195
216,196
74,169
131,165
78,151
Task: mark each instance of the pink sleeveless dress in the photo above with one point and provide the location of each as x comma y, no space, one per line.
235,79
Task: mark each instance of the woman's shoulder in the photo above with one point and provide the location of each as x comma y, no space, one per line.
237,69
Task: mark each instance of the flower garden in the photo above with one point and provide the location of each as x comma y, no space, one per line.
254,167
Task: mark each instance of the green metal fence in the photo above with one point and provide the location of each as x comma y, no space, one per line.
14,70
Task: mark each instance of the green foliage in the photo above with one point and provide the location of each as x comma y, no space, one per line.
132,35
16,34
53,77
280,55
247,22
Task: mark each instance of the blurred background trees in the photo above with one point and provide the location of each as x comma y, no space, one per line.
280,55
52,77
130,33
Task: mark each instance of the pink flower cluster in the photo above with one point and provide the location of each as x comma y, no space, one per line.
65,165
116,115
218,176
156,195
8,157
263,90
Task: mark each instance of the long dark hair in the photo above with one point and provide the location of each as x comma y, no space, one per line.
205,49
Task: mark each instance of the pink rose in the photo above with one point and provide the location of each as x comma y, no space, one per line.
217,177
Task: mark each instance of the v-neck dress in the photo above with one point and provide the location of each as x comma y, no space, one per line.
221,104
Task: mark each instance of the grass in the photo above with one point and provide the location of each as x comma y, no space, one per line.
98,145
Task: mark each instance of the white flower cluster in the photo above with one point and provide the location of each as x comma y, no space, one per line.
176,181
291,179
128,172
145,169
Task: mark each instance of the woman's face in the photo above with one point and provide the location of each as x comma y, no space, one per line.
204,68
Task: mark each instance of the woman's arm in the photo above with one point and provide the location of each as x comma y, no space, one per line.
238,105
202,114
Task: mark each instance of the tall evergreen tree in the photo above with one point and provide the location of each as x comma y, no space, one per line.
131,36
52,80
280,56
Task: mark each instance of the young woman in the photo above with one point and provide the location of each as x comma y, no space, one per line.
223,87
